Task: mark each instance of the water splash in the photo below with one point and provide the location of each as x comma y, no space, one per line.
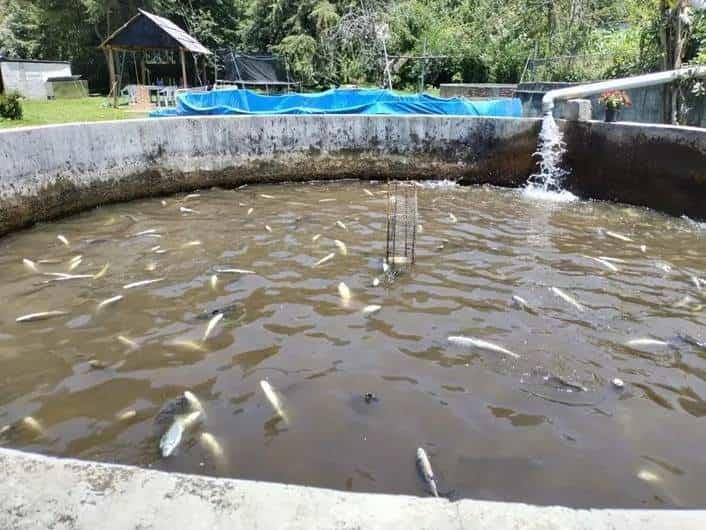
547,183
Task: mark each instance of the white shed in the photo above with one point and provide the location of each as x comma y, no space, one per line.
29,77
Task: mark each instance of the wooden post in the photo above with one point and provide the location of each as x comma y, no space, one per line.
143,68
111,75
183,66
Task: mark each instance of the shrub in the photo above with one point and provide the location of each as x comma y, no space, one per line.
10,106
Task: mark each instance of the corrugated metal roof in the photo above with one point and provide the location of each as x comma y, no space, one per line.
178,34
149,31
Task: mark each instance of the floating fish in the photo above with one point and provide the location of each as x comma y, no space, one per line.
453,218
370,309
341,246
327,200
341,225
385,267
145,232
52,261
615,235
188,344
646,342
32,266
618,383
96,364
209,442
267,227
242,187
425,469
648,476
155,248
643,248
250,210
63,240
482,344
193,401
142,283
127,342
151,266
274,400
75,262
126,415
420,229
233,271
696,282
568,299
164,203
266,196
172,438
315,238
184,209
32,424
32,317
101,272
323,260
192,196
61,277
612,260
109,301
213,281
211,325
607,264
368,192
521,302
189,244
666,267
345,292
376,282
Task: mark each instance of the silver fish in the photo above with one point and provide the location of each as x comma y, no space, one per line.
345,292
376,282
142,283
145,232
127,342
188,345
109,301
63,240
268,228
184,209
274,400
126,415
315,238
250,210
646,342
172,438
40,316
101,272
323,260
520,302
211,325
568,299
425,469
370,309
615,235
209,442
193,401
607,264
341,246
32,266
192,196
188,244
368,192
233,271
482,345
266,196
341,225
327,200
33,425
453,218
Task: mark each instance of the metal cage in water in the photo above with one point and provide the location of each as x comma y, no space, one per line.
402,216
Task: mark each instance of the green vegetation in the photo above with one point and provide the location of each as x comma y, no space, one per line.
67,110
10,107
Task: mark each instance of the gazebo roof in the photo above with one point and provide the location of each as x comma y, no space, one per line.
148,31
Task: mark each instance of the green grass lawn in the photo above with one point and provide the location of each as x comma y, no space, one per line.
68,110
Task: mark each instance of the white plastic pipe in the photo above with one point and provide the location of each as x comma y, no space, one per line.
658,78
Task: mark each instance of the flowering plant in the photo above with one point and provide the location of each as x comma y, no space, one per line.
615,99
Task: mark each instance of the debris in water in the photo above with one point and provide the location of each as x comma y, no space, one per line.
646,342
233,271
568,299
323,260
615,235
266,196
101,272
618,383
345,292
267,227
184,209
63,240
368,192
109,301
341,246
453,218
341,225
481,344
126,415
40,316
32,266
424,467
209,442
273,399
315,238
142,283
370,309
189,244
211,325
127,342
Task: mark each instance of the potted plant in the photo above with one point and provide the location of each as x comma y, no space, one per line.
614,100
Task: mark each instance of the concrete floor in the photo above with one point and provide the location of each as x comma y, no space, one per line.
38,492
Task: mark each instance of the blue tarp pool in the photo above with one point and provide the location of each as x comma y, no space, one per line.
335,101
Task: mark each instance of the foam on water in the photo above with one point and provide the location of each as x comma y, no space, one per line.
547,183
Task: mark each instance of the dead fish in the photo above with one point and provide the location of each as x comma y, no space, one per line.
151,266
425,469
568,299
32,424
242,187
145,232
75,262
648,476
341,246
376,282
122,339
164,203
370,309
52,261
30,265
607,264
274,400
646,342
63,240
142,283
341,225
266,196
481,344
315,238
250,210
345,292
192,400
192,196
643,248
32,317
155,248
213,281
323,260
612,260
190,244
101,272
126,415
109,301
453,218
666,267
368,192
420,229
172,438
96,364
267,227
184,209
620,237
234,271
560,382
188,345
209,442
618,383
60,277
327,200
696,281
211,325
521,303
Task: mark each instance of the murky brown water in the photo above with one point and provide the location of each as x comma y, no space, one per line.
493,426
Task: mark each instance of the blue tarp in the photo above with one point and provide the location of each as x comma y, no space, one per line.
335,101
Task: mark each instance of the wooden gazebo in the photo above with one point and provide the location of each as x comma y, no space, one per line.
146,31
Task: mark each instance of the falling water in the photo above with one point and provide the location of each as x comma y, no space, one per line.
547,183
